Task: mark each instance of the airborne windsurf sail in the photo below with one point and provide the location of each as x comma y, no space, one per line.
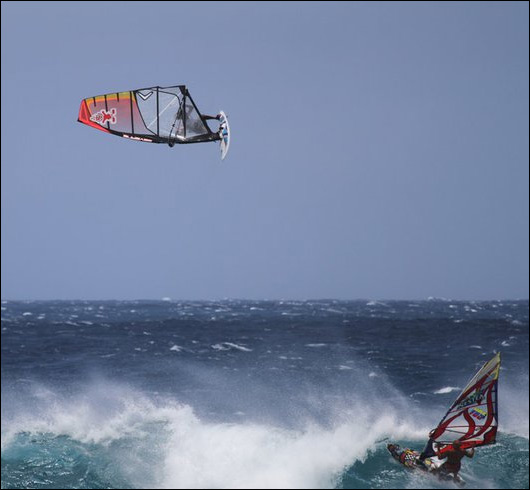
154,115
473,417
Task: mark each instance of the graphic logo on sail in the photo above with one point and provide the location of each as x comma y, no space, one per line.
104,116
474,398
478,413
145,96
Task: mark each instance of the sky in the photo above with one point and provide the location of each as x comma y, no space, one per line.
379,150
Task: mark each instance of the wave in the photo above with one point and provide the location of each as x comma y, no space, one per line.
106,434
158,442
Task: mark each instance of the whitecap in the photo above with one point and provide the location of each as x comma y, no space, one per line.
446,389
229,346
376,303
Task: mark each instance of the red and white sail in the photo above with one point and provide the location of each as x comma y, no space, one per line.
473,417
154,115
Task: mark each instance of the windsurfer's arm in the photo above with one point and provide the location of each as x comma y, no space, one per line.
207,117
441,452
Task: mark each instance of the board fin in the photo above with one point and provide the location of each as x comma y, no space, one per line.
224,134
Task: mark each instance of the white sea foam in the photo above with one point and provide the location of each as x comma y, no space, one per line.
194,453
513,403
176,348
202,455
446,389
376,303
229,346
315,345
332,310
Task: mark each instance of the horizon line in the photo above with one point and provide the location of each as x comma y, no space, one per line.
167,299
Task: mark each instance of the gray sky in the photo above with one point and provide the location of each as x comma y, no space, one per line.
379,150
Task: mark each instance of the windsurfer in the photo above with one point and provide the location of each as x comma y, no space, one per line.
428,450
454,454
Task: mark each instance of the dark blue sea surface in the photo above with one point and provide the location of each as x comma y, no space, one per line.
251,394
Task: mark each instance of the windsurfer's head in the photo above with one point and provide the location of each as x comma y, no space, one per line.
457,444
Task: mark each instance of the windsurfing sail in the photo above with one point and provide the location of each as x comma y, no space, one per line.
473,417
154,115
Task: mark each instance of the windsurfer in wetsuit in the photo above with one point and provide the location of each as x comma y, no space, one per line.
454,454
192,124
428,450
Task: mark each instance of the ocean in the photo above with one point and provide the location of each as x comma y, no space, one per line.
251,394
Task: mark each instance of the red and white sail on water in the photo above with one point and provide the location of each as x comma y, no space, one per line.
473,417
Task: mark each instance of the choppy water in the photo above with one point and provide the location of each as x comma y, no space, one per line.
250,394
